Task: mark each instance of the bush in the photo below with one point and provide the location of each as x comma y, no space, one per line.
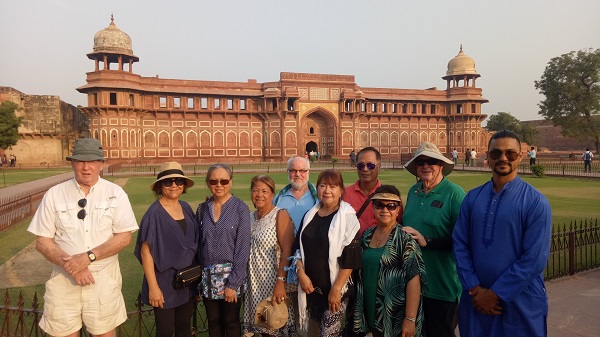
537,170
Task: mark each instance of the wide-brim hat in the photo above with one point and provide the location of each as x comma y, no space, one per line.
386,196
271,316
427,149
87,149
171,169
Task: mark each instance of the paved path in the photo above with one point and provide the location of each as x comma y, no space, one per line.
35,185
574,305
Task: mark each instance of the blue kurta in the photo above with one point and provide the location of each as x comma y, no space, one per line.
171,249
502,242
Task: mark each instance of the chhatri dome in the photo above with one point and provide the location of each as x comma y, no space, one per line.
112,40
461,64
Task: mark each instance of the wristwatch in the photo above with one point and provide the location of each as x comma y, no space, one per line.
281,278
91,256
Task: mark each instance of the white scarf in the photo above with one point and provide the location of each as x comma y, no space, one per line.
342,230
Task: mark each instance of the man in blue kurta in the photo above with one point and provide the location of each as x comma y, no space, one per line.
501,246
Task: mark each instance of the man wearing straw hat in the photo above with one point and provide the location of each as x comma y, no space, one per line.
501,245
81,225
431,211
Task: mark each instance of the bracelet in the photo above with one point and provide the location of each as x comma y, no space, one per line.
281,278
412,319
298,268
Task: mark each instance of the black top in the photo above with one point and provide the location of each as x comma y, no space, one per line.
315,241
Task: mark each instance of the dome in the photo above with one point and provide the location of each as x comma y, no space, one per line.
112,40
461,64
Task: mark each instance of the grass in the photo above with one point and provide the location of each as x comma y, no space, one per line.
570,199
13,176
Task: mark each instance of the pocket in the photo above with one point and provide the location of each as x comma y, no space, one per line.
104,213
109,294
66,217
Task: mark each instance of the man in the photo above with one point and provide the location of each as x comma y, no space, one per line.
81,225
532,155
358,194
473,157
299,195
467,156
587,160
352,158
501,245
455,156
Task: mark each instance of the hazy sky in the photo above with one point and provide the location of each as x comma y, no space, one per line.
398,44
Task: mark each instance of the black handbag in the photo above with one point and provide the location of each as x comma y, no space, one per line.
186,276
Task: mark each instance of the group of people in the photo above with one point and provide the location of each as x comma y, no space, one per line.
11,162
470,157
310,257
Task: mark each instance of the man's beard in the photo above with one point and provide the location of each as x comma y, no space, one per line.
504,173
296,185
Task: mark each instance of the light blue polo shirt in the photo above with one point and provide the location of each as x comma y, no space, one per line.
296,208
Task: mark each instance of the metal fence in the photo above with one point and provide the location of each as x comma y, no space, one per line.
574,248
16,207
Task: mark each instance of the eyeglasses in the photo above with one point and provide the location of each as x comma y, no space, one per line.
370,166
81,214
297,171
429,161
496,154
390,207
177,181
222,181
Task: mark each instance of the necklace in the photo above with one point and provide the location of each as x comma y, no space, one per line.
383,236
260,216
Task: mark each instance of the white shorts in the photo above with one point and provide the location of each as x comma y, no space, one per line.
67,305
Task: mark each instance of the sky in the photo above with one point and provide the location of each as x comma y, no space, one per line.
384,44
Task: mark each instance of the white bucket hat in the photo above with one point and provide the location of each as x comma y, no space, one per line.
427,149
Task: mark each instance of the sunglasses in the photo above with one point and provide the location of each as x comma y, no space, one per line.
379,206
370,166
429,161
297,171
223,182
177,181
81,214
497,154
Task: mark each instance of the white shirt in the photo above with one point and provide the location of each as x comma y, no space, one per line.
473,154
108,211
454,154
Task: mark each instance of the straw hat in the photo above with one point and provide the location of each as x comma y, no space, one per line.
271,316
171,169
386,196
428,149
87,149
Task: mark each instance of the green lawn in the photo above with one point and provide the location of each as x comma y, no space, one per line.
570,199
13,176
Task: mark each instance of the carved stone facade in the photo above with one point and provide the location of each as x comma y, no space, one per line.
49,128
148,118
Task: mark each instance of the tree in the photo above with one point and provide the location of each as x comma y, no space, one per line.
571,85
505,121
9,124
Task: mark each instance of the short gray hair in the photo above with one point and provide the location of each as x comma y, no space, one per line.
289,164
213,167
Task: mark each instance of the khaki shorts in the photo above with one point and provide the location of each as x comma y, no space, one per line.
67,305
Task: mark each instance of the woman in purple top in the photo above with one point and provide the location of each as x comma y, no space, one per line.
167,241
224,241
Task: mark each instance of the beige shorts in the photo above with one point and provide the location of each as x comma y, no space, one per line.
99,306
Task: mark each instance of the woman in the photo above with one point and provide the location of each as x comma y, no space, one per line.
430,213
329,250
271,243
392,279
224,245
167,241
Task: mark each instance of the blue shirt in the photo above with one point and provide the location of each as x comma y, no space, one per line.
502,242
296,207
228,239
